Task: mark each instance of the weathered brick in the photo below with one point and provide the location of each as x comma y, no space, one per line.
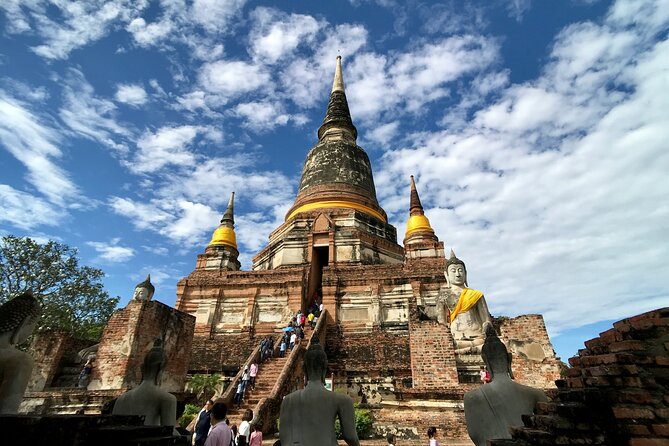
661,429
648,442
633,412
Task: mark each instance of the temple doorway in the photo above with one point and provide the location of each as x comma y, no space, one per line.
320,257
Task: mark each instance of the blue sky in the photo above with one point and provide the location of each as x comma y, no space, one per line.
537,133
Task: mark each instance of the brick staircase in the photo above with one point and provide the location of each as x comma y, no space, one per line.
268,375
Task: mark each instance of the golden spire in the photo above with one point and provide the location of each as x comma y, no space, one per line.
225,233
418,222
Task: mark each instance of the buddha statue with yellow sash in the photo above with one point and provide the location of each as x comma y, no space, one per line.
464,308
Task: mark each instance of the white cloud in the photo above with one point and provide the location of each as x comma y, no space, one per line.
261,116
78,23
27,211
149,34
91,116
112,251
35,145
192,222
302,80
167,146
233,78
383,133
518,8
131,94
216,15
275,34
554,194
142,215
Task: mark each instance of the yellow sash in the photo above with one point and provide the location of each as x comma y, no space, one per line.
468,299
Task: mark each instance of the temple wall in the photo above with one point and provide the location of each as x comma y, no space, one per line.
225,353
533,359
128,337
229,302
50,351
412,418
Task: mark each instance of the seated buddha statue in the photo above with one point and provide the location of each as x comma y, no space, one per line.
464,308
18,318
158,406
491,409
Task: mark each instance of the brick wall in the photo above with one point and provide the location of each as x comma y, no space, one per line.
223,353
128,337
374,351
534,362
432,356
412,420
617,392
47,350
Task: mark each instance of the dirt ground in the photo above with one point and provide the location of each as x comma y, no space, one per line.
399,442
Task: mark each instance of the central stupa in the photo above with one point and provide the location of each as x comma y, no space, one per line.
336,218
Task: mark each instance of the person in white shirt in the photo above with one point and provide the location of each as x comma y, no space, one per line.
245,428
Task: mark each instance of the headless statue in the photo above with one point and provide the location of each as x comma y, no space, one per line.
464,308
308,415
492,408
18,318
144,290
158,406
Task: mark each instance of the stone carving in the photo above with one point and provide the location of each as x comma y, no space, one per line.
18,318
158,406
308,415
144,290
463,307
492,408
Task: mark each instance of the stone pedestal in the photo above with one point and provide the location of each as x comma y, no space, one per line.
129,336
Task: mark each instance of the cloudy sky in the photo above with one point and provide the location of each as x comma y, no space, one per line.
537,132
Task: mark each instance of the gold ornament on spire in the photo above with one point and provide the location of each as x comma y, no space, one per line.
224,235
417,222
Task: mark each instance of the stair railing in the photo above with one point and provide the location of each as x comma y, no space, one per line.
230,391
267,409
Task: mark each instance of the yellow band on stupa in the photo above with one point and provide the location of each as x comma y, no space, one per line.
224,236
418,223
337,204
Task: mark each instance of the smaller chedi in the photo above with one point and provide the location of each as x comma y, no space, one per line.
144,290
158,406
492,408
18,319
464,308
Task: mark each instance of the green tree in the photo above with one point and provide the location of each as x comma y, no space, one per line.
203,385
190,412
73,298
363,422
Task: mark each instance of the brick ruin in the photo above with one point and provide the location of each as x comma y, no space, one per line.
127,338
617,392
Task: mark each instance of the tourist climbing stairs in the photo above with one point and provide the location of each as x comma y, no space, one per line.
268,374
276,377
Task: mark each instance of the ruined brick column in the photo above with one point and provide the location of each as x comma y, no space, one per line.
432,351
129,336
